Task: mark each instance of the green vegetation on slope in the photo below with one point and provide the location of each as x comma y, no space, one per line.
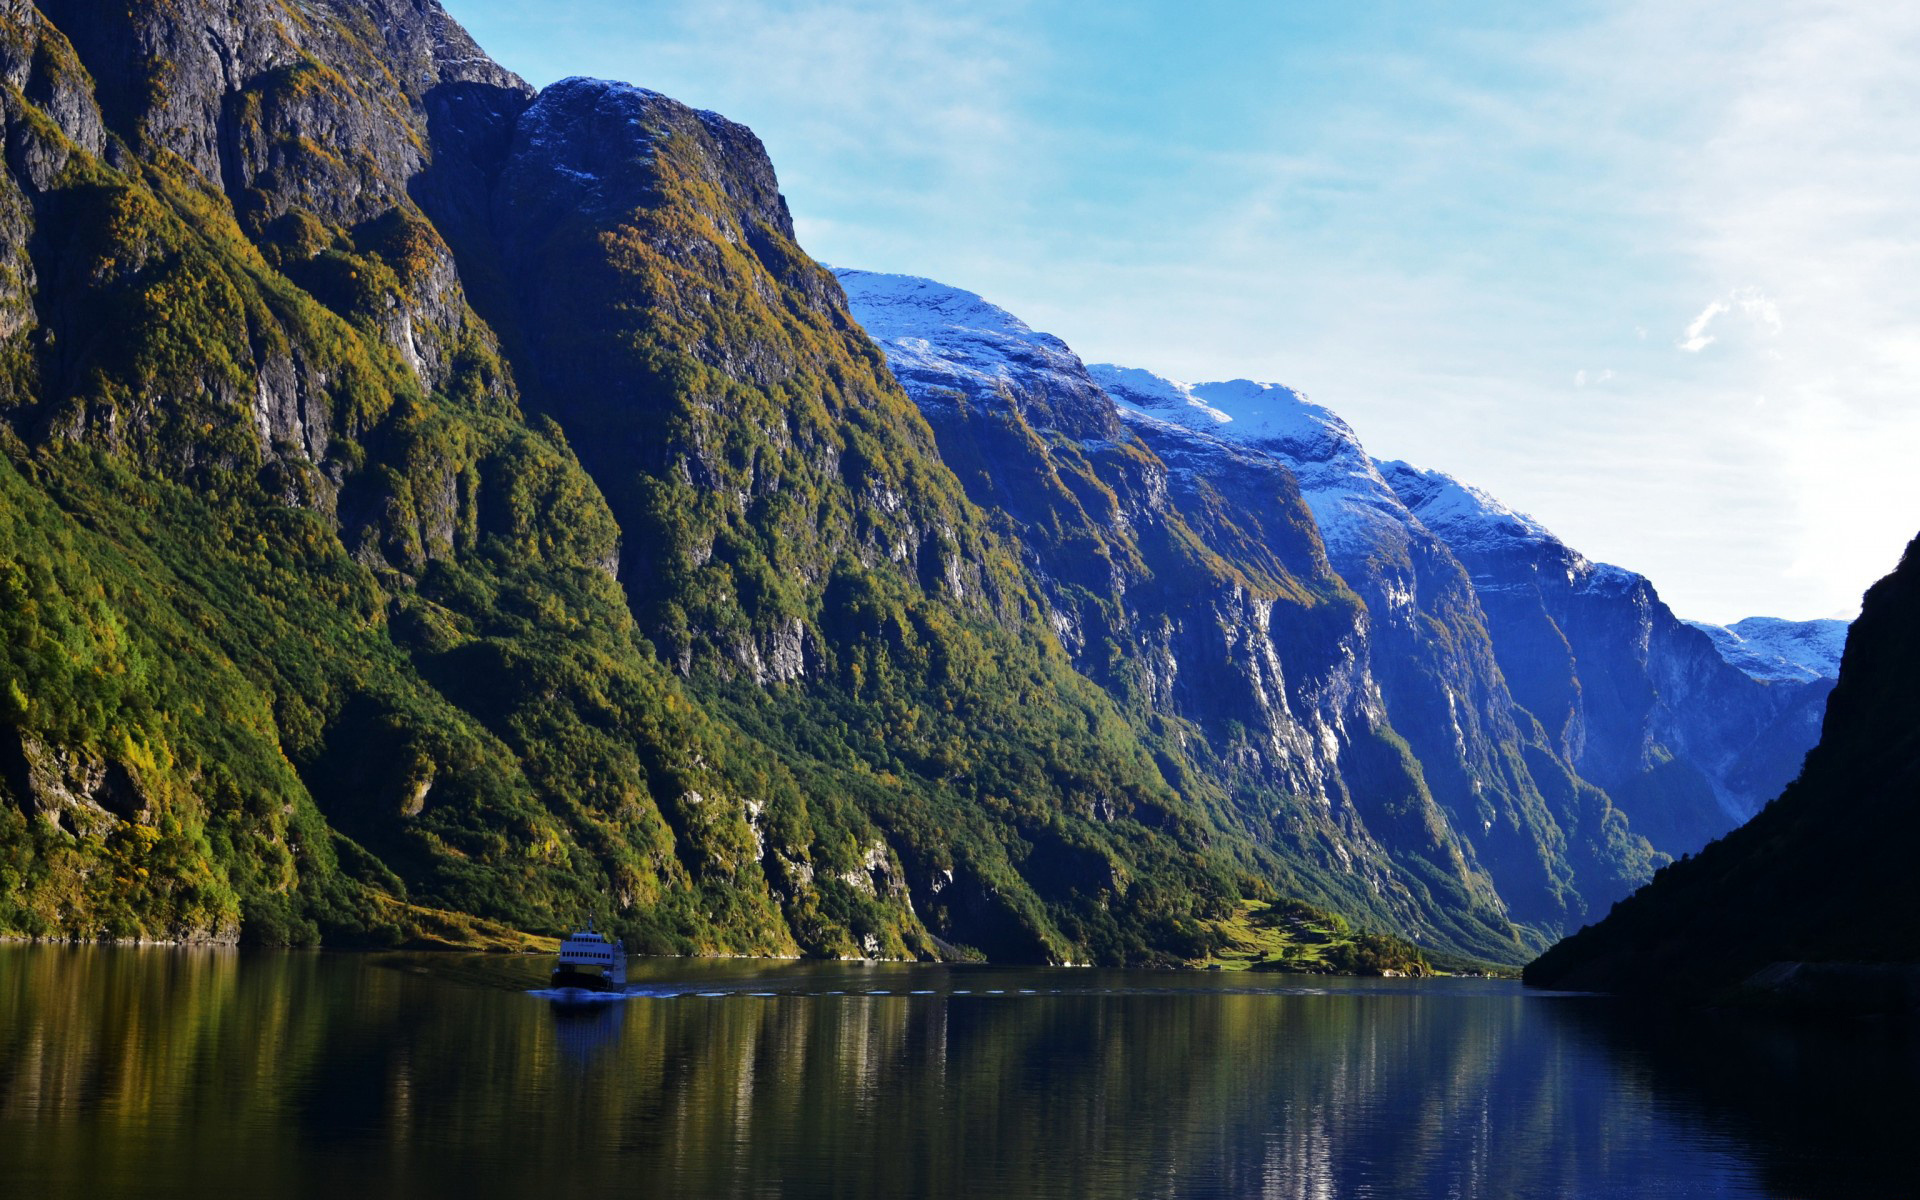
1292,936
312,633
348,665
334,685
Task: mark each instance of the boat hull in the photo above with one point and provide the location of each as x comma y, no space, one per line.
581,981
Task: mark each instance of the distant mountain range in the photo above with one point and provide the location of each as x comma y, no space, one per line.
433,509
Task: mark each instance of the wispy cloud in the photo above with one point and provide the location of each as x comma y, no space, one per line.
1697,338
1748,301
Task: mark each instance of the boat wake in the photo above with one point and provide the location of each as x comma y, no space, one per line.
579,996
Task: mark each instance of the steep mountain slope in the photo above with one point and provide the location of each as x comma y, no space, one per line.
794,546
308,630
316,625
1641,703
1014,413
1551,841
1822,874
1201,599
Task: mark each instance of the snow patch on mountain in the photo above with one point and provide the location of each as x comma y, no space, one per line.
1459,512
947,337
1474,522
1351,503
1265,415
1774,650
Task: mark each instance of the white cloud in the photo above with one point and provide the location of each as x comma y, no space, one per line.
1763,311
1697,338
1801,187
1748,301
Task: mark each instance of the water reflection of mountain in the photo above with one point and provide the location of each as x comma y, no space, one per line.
292,1073
1823,1108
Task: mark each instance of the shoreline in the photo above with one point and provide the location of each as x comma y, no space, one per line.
235,946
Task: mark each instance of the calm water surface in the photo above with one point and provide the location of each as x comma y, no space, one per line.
130,1072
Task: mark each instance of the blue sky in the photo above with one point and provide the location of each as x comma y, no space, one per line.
1648,271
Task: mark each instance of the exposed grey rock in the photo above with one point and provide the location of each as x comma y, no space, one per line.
83,794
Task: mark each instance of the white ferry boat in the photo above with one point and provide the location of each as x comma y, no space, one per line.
589,962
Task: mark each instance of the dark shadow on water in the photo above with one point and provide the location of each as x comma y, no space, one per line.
1823,1107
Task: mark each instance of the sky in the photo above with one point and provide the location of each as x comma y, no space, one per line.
1648,271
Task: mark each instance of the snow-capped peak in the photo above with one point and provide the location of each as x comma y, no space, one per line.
1353,506
938,337
927,326
1242,410
1474,523
894,306
1458,511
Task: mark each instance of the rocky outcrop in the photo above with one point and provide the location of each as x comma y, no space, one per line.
82,794
308,126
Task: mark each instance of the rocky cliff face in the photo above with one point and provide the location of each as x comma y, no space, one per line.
1190,582
1552,841
1243,470
285,558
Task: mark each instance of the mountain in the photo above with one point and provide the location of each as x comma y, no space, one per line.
1556,843
1019,406
434,509
1202,599
1821,875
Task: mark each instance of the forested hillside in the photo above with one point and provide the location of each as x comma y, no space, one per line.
317,626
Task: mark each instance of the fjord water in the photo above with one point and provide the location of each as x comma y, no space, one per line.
163,1072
